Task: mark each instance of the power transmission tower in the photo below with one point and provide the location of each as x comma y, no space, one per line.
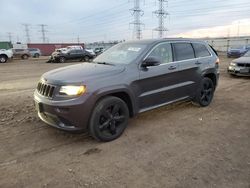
161,14
27,32
43,31
78,39
10,36
137,13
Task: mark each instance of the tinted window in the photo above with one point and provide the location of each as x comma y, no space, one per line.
200,50
183,51
163,52
79,51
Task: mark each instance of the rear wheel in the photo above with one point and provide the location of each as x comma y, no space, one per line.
206,92
109,119
3,59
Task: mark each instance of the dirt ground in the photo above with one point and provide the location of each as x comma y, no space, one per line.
180,145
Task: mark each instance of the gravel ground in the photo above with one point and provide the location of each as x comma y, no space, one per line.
180,145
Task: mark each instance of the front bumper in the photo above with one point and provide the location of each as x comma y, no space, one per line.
69,115
54,59
239,71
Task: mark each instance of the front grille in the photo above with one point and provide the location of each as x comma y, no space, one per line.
243,64
45,89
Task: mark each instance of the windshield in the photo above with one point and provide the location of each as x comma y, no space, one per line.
123,53
247,54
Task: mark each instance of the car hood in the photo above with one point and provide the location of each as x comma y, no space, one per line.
242,60
81,72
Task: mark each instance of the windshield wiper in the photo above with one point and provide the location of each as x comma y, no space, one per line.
104,63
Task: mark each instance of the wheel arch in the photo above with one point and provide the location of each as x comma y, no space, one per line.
4,56
212,76
124,95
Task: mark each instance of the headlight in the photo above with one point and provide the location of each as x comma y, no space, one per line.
72,90
233,64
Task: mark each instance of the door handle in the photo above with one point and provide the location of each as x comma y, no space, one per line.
197,62
172,67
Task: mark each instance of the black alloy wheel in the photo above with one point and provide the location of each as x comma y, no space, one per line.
206,92
109,119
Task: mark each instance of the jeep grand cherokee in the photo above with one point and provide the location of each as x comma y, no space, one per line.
125,80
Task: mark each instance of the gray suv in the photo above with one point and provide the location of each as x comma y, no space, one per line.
125,80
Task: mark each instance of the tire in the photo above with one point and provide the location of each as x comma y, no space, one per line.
86,58
25,56
109,119
3,58
62,60
36,55
205,93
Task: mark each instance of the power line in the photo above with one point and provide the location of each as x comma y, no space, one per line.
10,36
161,14
137,13
43,31
27,32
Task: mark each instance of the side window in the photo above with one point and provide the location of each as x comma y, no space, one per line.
163,52
200,50
73,51
183,51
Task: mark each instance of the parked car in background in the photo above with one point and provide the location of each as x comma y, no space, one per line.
238,51
240,66
127,79
98,50
61,50
71,54
5,55
35,52
90,50
21,53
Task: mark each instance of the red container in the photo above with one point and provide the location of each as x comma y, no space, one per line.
48,48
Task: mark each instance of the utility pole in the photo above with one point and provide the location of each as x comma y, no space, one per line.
10,36
43,31
78,39
238,29
27,32
137,13
161,14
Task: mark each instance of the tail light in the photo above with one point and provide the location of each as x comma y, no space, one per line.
217,61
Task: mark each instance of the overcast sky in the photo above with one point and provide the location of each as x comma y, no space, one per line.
103,20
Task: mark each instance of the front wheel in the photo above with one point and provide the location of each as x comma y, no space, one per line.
62,59
109,119
205,93
3,59
36,56
86,58
25,56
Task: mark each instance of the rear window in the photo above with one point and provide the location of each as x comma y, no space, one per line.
200,50
183,51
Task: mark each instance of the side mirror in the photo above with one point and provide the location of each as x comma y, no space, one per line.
151,61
